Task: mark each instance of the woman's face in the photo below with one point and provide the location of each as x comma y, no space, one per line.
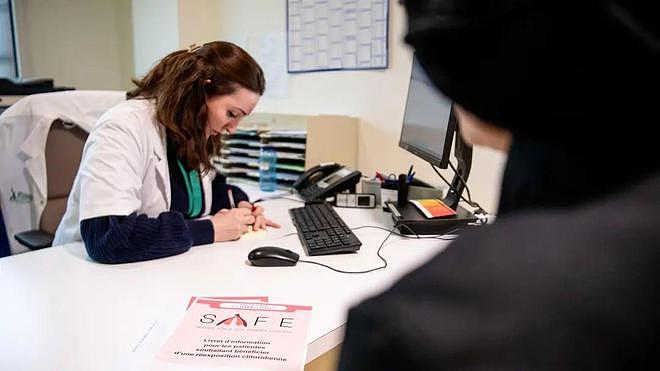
226,111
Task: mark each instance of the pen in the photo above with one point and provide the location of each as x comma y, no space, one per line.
411,176
410,171
230,195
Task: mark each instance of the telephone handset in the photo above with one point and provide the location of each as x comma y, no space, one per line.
326,180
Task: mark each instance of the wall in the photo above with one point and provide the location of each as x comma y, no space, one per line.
79,43
376,97
156,32
198,21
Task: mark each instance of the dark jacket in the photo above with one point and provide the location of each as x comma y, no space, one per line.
576,289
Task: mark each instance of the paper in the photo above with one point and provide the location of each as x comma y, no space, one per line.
142,356
234,298
433,208
301,134
235,335
388,195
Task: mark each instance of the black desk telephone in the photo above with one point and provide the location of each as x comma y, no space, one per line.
326,180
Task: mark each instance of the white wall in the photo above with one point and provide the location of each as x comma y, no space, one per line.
79,43
198,21
155,32
377,97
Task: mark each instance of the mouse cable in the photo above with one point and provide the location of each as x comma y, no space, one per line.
359,272
391,232
444,237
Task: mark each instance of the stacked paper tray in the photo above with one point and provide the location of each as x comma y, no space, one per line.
239,158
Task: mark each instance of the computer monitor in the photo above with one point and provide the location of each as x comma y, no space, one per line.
428,123
429,126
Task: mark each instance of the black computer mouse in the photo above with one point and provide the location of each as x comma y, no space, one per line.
272,256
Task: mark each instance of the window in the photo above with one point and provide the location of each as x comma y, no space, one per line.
8,61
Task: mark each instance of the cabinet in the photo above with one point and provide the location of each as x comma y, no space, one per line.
301,141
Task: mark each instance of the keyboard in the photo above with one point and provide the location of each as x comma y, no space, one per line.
322,231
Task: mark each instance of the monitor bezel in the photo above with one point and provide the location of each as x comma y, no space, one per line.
440,162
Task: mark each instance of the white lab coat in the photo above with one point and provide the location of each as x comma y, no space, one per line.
123,170
24,129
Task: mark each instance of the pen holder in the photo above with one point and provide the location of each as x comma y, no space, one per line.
390,191
402,191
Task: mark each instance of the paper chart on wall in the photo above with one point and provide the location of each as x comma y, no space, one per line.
336,34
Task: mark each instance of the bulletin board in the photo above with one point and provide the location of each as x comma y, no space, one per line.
327,35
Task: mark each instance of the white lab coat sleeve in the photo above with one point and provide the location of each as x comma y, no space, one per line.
112,168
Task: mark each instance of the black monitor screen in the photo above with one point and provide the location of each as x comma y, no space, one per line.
428,125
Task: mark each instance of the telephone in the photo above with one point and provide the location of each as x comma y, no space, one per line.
326,180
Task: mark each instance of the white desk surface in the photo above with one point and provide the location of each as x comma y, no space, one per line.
61,311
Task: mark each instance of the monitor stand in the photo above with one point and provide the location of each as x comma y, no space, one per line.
410,221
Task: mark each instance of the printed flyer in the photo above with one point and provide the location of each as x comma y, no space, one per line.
433,208
228,298
236,335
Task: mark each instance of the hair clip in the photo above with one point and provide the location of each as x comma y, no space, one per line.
193,48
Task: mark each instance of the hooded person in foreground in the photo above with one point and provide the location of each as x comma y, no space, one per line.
568,277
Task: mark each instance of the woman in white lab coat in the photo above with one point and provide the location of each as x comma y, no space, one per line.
146,187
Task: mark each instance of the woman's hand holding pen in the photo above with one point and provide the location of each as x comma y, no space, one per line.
230,224
261,222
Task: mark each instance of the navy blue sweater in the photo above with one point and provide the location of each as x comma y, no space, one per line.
116,239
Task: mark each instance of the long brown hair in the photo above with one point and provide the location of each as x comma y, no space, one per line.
179,85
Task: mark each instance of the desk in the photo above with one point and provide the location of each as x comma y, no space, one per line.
61,311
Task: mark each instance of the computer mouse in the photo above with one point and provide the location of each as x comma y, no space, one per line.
272,256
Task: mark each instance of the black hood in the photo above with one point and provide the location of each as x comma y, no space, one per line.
576,82
549,69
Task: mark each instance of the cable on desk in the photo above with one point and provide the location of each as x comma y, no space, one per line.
391,232
417,237
358,272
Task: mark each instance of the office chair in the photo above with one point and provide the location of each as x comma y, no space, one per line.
32,176
63,151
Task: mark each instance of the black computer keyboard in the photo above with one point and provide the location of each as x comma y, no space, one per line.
322,231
